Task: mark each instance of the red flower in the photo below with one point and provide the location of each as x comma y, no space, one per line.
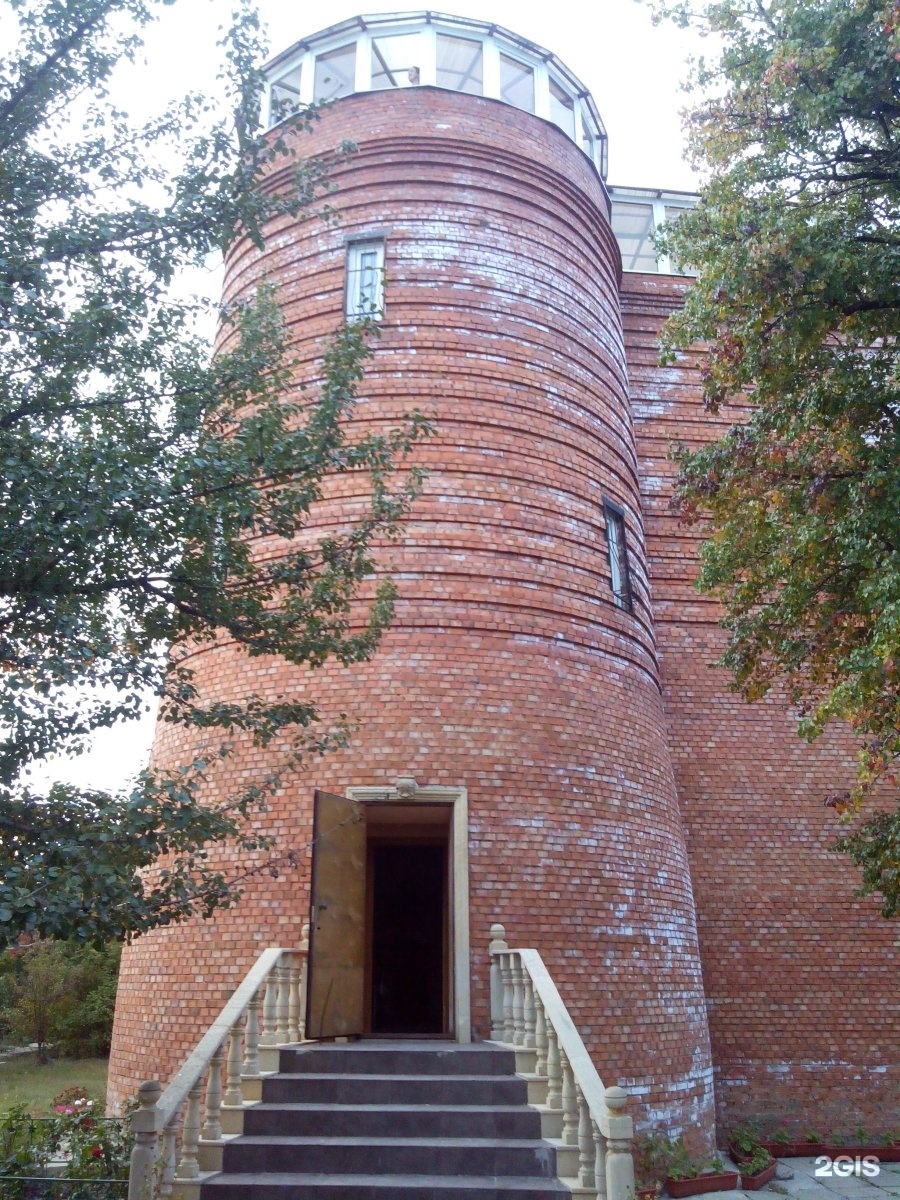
96,1152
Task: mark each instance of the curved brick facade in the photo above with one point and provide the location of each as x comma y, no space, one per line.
508,669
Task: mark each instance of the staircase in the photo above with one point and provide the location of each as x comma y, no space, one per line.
390,1121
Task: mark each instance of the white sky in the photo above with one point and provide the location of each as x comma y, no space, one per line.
633,69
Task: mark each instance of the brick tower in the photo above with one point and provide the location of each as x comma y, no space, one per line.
513,715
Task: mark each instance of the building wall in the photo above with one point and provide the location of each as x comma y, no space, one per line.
801,977
508,669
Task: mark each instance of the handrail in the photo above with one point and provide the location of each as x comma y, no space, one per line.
173,1098
528,1013
265,1011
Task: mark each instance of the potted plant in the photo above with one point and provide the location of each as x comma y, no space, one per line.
689,1176
743,1142
757,1170
651,1159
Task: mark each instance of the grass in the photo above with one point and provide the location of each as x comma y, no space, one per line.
23,1080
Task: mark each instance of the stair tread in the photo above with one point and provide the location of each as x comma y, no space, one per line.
437,1182
280,1139
307,1075
306,1106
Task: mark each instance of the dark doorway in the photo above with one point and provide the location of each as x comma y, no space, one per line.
408,937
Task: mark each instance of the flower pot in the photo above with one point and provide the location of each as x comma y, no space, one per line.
650,1192
884,1153
752,1183
723,1181
795,1149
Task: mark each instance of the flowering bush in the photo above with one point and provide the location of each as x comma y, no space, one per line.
86,1155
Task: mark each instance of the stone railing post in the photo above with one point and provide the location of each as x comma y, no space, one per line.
540,1038
569,1104
496,949
250,1066
188,1166
554,1070
283,1004
619,1162
141,1176
270,1011
294,999
518,1003
212,1126
304,971
167,1174
586,1162
234,1097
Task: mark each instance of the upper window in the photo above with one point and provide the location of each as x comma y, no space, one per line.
335,73
284,97
620,578
365,279
395,61
633,226
562,109
516,83
460,64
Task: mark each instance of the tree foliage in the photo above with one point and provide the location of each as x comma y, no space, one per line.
138,473
797,238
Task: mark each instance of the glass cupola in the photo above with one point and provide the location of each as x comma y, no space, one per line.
394,50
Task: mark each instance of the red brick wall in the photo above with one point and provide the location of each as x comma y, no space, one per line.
801,977
508,668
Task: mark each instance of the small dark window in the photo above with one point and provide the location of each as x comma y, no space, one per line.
620,578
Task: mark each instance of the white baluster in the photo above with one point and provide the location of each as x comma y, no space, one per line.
509,1027
212,1126
250,1066
143,1155
586,1167
283,1008
188,1167
294,999
167,1172
540,1037
270,1009
528,1011
304,971
619,1162
496,949
233,1094
518,1001
599,1161
569,1104
554,1070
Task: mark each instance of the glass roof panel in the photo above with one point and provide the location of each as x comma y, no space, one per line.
335,73
460,64
396,61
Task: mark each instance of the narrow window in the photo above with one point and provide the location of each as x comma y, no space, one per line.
365,279
618,555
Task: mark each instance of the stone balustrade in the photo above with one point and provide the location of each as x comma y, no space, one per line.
592,1130
179,1133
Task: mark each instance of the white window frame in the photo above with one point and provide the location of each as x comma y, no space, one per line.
617,548
364,293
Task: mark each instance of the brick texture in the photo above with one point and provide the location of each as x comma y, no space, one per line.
800,975
508,669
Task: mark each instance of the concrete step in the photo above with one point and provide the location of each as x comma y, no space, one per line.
390,1089
398,1120
382,1187
404,1058
392,1156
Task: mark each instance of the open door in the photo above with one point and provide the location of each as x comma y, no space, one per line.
335,1004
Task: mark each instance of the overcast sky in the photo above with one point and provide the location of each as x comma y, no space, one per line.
633,69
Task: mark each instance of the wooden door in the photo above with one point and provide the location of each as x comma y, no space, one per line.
337,919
